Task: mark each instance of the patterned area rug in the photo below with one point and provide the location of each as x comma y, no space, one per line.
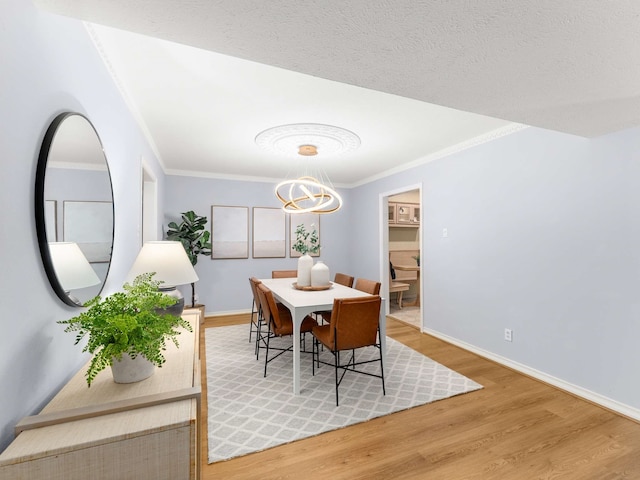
248,412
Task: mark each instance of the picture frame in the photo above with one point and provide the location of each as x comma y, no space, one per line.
90,225
51,219
310,221
269,233
229,232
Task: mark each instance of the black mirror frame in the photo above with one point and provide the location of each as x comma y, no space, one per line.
41,229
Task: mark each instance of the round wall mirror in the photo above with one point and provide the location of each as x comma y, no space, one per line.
74,209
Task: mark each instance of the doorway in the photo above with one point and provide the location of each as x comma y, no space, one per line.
401,248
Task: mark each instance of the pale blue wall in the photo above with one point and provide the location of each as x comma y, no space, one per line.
48,65
543,238
224,284
543,231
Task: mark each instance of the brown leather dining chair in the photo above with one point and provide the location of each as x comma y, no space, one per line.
354,324
257,318
342,279
368,286
284,273
279,323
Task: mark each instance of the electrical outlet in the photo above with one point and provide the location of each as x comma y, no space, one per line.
508,335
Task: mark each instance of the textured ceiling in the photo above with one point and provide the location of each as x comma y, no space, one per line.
571,66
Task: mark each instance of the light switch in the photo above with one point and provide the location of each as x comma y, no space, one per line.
445,233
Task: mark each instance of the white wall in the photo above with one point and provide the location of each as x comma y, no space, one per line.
49,65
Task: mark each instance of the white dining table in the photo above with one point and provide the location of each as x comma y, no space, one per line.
304,302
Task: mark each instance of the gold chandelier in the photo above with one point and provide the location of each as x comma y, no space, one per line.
311,191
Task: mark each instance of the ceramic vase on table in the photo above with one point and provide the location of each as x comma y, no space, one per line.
305,263
320,275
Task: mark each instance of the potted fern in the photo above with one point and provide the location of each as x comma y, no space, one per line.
192,233
127,330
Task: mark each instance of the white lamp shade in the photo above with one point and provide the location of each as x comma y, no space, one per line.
168,259
72,267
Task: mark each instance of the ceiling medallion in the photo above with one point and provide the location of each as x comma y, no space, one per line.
310,192
287,139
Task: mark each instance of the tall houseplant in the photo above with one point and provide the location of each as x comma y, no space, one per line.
306,242
130,323
194,236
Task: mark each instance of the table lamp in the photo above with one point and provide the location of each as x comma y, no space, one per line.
72,268
172,266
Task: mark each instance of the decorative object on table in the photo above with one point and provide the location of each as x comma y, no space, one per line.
72,268
309,143
310,221
172,267
131,323
269,233
229,232
306,242
417,259
320,275
191,232
305,264
310,288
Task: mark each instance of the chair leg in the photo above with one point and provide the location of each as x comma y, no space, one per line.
251,322
266,357
384,392
400,299
316,352
336,358
258,338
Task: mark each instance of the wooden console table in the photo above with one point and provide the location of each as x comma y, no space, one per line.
143,430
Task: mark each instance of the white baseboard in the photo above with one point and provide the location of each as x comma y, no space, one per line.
613,405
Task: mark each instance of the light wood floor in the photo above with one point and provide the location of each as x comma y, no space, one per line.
514,428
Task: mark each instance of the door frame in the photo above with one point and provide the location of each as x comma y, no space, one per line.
384,241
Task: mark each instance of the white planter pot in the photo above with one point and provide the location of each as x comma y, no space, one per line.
320,275
131,370
305,262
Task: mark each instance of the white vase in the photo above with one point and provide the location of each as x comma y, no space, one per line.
320,275
131,370
305,262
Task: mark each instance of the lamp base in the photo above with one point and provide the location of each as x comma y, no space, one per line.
177,308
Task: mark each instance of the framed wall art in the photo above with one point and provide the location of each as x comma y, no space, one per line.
51,219
90,225
229,232
269,233
311,221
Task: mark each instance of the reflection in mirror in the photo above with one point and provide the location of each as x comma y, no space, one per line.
74,209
